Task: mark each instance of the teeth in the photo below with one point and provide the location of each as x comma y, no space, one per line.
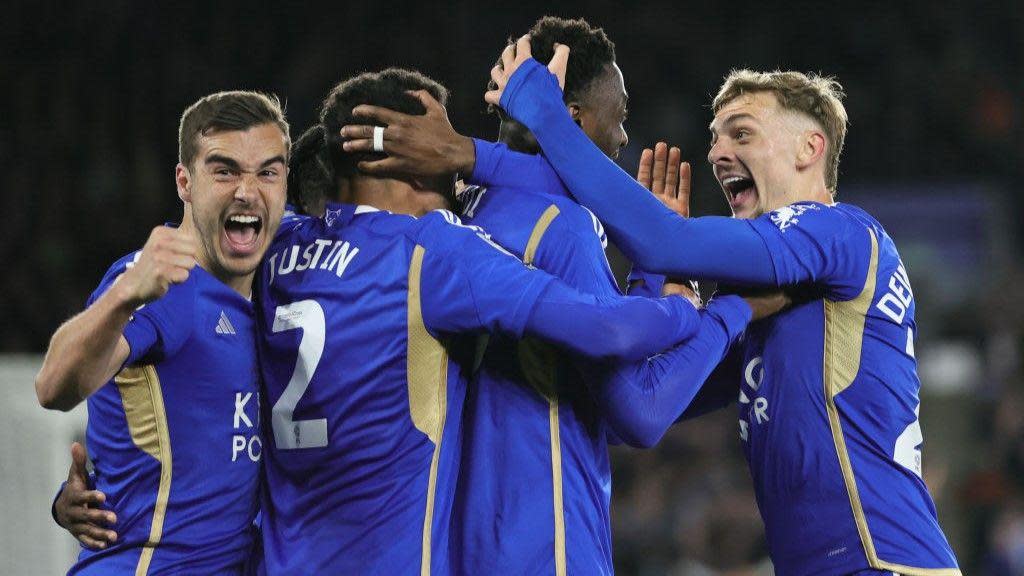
732,179
242,219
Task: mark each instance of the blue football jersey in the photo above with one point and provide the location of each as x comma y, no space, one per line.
365,378
535,487
829,404
175,436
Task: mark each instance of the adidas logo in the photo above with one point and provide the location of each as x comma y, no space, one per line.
224,325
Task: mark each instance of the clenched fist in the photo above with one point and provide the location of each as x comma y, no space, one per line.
167,258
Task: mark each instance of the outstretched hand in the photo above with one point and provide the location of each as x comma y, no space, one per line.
513,56
663,173
416,145
77,508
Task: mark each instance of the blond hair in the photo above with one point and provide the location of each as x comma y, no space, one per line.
819,97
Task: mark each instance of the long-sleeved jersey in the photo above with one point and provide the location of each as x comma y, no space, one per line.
829,399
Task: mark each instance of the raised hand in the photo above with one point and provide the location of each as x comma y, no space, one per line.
77,508
513,56
663,173
167,258
417,145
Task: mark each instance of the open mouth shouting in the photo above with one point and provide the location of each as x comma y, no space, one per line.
740,191
242,234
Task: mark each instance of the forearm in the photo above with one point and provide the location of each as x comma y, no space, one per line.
711,247
611,329
85,352
640,401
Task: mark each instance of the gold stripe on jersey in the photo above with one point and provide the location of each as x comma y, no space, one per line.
428,391
143,402
540,368
844,340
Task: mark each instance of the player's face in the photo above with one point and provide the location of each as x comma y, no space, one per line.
753,151
236,191
602,114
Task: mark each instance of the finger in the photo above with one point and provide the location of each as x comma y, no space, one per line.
522,50
81,514
643,172
87,497
508,57
658,173
559,63
77,471
377,115
382,166
360,145
95,532
498,75
672,171
493,97
683,193
180,261
357,131
91,543
434,108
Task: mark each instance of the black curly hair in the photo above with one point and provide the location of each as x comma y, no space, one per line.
317,158
591,52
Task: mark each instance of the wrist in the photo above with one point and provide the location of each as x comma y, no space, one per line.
124,295
464,154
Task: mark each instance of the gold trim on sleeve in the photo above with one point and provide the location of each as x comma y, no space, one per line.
427,365
143,402
844,340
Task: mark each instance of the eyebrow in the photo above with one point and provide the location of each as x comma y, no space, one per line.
732,118
232,163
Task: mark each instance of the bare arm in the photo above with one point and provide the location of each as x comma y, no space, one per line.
90,348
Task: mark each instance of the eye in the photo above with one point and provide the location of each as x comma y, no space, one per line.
742,133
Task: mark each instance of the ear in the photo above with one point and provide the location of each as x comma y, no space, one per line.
811,148
183,179
574,111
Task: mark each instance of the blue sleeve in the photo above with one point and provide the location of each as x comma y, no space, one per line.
621,328
721,388
813,242
496,165
641,401
159,329
652,283
711,247
470,284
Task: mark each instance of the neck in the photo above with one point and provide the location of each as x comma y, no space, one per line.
812,190
239,283
389,194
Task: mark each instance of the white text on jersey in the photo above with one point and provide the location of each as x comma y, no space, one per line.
295,258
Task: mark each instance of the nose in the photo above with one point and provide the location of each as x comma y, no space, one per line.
246,188
720,153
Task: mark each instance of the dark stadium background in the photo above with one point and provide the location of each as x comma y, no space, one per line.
92,93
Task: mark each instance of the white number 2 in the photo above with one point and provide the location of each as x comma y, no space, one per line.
290,434
908,445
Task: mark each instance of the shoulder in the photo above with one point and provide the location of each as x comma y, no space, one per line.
443,230
816,220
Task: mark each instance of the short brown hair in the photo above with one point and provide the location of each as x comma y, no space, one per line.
234,110
819,97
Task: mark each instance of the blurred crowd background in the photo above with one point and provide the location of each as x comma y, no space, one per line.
93,92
